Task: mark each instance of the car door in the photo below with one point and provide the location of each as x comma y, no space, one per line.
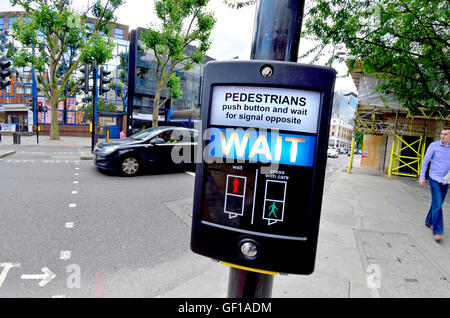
182,153
157,149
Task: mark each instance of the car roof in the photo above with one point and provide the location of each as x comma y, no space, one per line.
176,127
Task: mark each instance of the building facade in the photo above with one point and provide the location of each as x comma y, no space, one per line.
145,89
20,101
342,116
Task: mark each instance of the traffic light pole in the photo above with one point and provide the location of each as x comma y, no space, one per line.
276,36
94,105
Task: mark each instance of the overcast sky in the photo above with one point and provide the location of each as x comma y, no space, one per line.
231,37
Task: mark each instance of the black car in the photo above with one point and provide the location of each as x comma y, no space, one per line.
157,147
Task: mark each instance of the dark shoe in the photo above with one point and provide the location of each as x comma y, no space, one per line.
437,237
429,226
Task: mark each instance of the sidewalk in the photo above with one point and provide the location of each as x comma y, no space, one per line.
83,143
372,234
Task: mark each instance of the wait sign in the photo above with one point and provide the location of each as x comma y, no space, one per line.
258,190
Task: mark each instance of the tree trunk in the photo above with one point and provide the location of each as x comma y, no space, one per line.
54,127
156,107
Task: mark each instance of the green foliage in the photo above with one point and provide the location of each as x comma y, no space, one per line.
99,52
61,40
237,4
181,22
403,42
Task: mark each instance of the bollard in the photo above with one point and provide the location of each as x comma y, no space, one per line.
16,138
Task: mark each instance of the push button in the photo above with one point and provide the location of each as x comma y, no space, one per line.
249,249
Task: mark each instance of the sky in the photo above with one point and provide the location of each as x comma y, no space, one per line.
231,37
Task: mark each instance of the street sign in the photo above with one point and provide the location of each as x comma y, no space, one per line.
258,189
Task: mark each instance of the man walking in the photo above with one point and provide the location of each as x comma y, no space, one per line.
439,154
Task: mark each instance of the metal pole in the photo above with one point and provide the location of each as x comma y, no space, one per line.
276,36
248,284
132,52
277,29
34,97
94,104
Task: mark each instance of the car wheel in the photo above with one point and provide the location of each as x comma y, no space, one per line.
129,166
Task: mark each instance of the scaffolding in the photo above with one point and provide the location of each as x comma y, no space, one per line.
398,123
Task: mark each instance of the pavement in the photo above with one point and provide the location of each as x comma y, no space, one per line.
83,143
372,241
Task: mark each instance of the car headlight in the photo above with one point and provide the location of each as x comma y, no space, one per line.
108,150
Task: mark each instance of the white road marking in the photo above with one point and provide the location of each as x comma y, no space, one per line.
75,182
74,192
72,205
45,278
69,225
65,255
5,270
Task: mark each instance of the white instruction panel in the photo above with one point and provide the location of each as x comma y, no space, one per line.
265,107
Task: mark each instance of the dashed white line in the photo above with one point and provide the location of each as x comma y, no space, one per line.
75,182
69,225
72,205
65,255
74,192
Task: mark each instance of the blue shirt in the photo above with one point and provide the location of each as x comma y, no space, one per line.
440,164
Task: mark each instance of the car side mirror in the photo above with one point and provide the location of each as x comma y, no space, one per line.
157,141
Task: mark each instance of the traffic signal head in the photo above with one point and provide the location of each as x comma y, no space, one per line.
5,73
84,79
39,104
104,80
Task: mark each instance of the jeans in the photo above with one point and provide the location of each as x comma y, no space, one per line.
434,217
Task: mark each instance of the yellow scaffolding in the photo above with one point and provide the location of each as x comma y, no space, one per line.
398,122
415,161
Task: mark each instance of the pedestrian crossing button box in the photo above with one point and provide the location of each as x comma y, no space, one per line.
258,189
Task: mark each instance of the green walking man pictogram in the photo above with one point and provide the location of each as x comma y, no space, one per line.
272,210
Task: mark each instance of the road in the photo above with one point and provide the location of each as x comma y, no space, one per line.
68,230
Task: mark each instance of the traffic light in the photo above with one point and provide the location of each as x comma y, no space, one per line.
5,73
84,79
104,80
39,104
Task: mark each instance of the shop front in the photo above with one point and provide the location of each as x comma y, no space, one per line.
19,116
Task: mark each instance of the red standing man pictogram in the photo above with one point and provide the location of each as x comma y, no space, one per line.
235,185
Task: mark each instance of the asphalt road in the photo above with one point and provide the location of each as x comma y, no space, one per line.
63,214
68,230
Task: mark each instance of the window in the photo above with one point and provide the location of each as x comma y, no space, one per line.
90,26
2,23
11,20
118,33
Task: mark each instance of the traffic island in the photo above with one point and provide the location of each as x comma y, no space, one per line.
86,156
4,153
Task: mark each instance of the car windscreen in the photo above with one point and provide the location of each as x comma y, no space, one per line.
145,133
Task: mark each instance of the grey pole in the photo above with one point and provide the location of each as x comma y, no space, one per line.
276,36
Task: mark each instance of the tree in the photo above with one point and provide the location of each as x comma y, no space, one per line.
56,41
237,4
403,42
182,23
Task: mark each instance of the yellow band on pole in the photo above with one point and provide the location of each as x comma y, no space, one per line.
90,127
250,269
